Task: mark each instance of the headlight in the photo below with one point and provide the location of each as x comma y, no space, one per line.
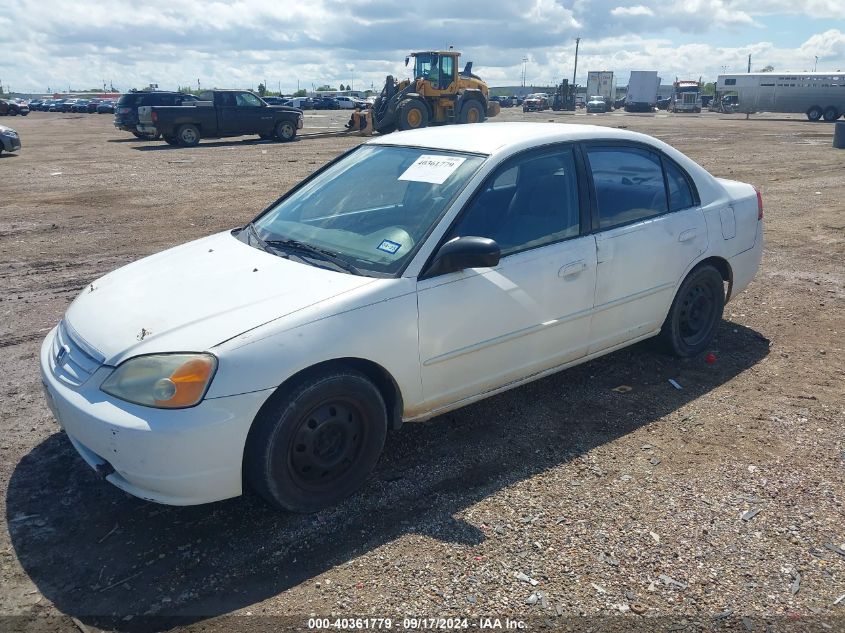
165,381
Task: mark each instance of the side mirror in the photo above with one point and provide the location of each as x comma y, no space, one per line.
407,59
465,252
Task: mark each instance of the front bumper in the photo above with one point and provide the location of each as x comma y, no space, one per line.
177,457
11,143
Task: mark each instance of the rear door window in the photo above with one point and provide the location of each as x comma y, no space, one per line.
629,184
680,192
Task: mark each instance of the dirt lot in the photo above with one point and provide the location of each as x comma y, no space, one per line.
624,508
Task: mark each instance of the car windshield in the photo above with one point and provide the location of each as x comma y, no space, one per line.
371,209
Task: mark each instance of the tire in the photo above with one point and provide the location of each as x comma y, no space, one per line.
814,113
830,113
411,114
188,135
139,135
472,112
695,313
315,441
171,140
285,131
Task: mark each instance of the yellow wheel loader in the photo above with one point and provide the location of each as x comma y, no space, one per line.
438,94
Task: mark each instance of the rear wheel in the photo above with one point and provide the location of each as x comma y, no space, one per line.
317,440
831,113
412,114
285,131
188,135
814,113
695,313
171,140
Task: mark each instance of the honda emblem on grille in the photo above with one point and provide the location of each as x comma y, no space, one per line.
64,350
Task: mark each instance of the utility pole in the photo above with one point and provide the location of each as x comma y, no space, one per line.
816,65
575,70
749,62
524,62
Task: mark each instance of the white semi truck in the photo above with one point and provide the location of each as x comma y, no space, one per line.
643,87
602,82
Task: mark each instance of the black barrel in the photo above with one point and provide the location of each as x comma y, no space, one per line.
839,135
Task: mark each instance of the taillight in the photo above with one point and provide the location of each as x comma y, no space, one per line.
123,110
759,203
154,116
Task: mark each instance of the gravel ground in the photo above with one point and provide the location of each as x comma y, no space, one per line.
561,504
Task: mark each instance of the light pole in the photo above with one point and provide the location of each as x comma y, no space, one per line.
575,69
524,63
816,65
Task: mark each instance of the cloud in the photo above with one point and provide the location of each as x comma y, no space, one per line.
239,43
631,11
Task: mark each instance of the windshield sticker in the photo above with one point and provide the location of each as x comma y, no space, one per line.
432,168
389,247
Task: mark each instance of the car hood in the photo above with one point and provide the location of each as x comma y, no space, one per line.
195,296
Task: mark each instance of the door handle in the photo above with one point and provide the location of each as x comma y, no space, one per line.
572,270
687,235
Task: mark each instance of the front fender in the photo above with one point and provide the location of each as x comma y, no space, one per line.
379,326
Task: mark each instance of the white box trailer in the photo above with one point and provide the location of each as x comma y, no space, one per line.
819,95
602,82
643,87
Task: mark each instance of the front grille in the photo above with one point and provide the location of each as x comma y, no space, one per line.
72,360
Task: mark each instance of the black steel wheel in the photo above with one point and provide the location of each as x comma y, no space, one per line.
695,313
831,113
814,113
316,441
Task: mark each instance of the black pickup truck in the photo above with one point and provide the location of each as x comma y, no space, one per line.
217,114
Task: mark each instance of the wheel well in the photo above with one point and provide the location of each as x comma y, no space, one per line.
380,377
724,269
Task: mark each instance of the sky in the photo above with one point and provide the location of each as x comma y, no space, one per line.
241,43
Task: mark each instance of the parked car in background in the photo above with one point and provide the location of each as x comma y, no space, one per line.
92,105
535,103
106,106
219,114
126,110
274,100
346,103
35,104
267,365
10,107
9,140
81,105
56,105
663,104
596,105
67,105
301,103
326,103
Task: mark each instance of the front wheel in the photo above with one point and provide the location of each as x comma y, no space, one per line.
412,114
814,113
472,112
285,131
695,313
315,442
171,140
188,135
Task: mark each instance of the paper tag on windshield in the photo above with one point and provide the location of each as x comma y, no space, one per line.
432,168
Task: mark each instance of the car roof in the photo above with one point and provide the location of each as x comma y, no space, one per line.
491,138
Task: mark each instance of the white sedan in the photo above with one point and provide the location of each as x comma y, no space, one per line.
415,274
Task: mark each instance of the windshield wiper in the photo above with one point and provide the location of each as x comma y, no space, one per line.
320,253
